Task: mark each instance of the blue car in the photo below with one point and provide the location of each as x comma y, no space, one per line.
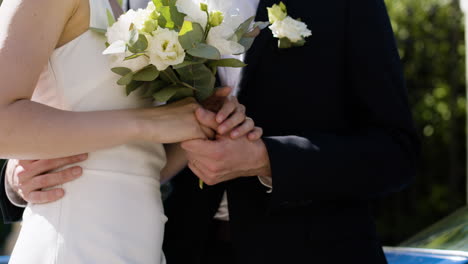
446,242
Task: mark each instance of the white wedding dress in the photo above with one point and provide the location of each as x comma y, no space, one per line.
113,213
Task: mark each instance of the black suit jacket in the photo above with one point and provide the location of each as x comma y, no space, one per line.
338,130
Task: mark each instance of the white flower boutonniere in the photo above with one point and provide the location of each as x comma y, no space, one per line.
290,32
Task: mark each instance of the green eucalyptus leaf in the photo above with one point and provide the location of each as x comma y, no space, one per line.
126,79
200,77
244,28
189,62
247,43
166,93
182,93
110,18
140,45
205,51
122,71
190,35
132,86
234,63
261,25
168,75
147,74
153,87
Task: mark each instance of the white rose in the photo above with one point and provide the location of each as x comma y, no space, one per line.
118,60
219,38
143,15
192,9
120,29
164,48
289,28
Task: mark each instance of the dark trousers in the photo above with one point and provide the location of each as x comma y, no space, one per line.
219,248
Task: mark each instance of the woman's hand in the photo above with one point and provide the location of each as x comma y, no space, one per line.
172,123
223,113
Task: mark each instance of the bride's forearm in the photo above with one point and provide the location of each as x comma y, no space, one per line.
176,161
34,131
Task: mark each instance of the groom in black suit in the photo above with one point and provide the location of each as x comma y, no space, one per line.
338,133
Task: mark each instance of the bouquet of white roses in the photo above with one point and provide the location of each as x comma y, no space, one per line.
172,48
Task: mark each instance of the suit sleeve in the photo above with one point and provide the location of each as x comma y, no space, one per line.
10,212
378,154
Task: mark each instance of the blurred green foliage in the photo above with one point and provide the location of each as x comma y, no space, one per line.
430,37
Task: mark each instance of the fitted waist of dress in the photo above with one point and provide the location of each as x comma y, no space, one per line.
130,159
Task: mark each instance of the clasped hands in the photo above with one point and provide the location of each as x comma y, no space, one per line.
236,151
240,154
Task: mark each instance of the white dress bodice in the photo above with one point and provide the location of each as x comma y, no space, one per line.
78,78
113,213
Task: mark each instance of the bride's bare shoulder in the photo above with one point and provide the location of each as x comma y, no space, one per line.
64,6
71,17
30,30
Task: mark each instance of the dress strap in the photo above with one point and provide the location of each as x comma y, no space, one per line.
98,12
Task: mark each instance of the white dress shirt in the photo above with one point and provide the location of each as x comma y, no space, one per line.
232,77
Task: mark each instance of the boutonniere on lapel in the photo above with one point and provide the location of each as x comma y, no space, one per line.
290,32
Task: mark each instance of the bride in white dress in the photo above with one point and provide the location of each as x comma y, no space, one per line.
59,98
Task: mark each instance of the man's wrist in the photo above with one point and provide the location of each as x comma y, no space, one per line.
264,160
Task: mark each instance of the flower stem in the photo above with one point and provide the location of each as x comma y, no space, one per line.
188,86
208,26
169,75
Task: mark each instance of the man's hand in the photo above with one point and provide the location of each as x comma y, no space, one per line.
225,159
29,178
223,113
